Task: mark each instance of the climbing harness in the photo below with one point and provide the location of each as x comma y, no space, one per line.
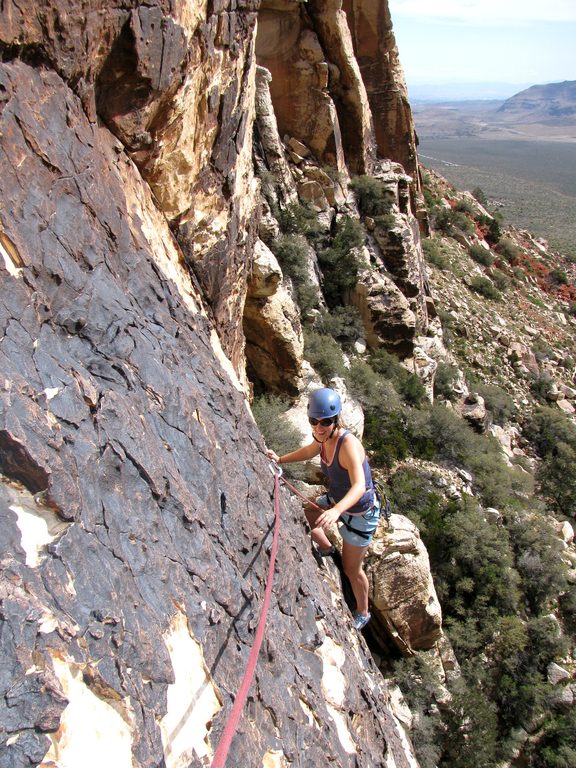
221,753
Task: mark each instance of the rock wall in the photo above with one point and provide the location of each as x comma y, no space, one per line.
135,501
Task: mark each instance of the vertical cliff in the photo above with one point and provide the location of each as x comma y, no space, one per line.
135,502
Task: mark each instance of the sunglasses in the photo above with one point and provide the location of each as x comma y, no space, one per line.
322,422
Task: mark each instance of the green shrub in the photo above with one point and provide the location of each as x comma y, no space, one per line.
324,355
339,262
374,198
341,323
448,326
559,276
500,280
292,254
478,194
554,437
485,287
450,222
386,221
541,385
434,253
407,384
508,249
444,381
556,743
384,436
538,561
297,219
497,401
279,434
464,206
481,255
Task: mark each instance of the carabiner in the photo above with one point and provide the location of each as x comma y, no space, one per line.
275,468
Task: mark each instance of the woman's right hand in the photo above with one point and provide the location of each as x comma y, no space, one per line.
272,455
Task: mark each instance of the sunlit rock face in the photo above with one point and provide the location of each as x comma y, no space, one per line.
316,87
377,55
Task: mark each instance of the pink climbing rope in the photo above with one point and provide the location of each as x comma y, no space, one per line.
221,753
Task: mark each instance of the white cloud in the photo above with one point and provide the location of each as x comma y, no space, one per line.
486,11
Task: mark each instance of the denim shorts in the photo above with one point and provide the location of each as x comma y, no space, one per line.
365,524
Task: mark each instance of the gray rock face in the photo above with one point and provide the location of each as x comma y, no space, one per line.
135,503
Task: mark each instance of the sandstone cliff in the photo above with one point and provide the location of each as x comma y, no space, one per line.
136,502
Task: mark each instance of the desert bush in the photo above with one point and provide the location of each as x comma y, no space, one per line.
497,401
556,744
500,280
324,355
559,276
418,681
508,249
470,728
541,385
372,195
448,326
407,384
464,206
413,494
385,221
297,219
434,253
292,254
485,287
341,323
449,222
444,381
553,435
384,435
478,580
339,262
480,195
279,434
481,255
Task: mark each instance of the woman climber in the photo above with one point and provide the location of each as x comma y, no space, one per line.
350,499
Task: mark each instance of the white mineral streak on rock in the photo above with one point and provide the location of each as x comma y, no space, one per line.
334,689
93,732
192,700
38,524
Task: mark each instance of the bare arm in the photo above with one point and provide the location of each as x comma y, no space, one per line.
300,454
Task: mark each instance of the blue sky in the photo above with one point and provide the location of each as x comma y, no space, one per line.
485,41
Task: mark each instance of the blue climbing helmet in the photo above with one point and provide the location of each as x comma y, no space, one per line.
324,404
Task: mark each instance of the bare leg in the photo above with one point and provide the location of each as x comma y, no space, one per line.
317,533
352,563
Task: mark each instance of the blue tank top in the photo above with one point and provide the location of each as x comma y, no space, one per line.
339,479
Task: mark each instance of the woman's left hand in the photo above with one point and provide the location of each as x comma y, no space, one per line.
328,518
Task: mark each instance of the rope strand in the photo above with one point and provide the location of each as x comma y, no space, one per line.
221,753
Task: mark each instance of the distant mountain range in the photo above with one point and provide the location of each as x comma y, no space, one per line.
541,103
538,112
461,91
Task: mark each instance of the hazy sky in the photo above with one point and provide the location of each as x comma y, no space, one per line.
501,41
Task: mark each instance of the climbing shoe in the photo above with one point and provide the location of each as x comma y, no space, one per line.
360,620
